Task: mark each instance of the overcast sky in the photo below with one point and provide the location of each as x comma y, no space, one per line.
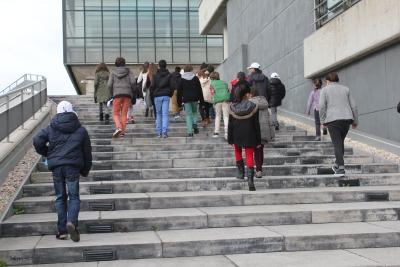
31,42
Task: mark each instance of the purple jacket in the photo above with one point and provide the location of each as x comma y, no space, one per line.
313,99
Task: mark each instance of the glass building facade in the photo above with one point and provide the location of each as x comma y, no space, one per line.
138,30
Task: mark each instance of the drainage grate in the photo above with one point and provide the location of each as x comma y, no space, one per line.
101,206
309,161
101,190
104,143
347,183
100,228
103,178
280,146
105,149
292,153
377,197
99,255
104,158
101,167
325,171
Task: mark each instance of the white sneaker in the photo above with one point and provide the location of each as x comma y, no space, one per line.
117,133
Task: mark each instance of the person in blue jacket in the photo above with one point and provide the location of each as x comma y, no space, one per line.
66,145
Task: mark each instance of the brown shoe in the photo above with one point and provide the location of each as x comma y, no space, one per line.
208,121
203,124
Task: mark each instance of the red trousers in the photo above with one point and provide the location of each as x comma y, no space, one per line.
249,151
121,105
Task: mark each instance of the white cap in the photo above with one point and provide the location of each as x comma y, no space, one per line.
254,65
64,106
275,75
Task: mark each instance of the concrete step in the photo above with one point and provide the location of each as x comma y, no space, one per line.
140,126
124,199
366,257
203,242
207,217
203,161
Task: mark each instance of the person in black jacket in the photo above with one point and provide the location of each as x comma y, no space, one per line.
175,78
278,93
244,131
241,79
259,80
190,92
160,90
69,157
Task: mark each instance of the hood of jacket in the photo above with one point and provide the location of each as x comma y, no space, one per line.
275,81
176,74
260,101
243,110
103,75
120,72
188,76
258,76
65,122
204,80
163,72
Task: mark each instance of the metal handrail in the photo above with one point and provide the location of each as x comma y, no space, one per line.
17,82
327,13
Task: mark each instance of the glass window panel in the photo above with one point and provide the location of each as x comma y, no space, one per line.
94,51
180,24
179,4
146,24
198,50
163,24
93,4
74,24
75,50
110,4
194,4
181,50
194,24
128,4
74,4
146,50
163,5
164,49
93,24
111,50
145,5
129,50
110,24
215,49
128,24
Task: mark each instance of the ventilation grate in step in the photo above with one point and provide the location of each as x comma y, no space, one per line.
349,183
101,206
102,167
292,153
105,149
101,190
100,228
104,143
103,178
325,171
104,158
280,146
99,255
377,197
309,161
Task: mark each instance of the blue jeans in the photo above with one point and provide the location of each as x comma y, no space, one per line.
162,106
69,176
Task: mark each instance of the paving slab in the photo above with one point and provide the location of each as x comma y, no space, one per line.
80,264
336,236
19,250
207,242
127,245
331,258
389,257
394,225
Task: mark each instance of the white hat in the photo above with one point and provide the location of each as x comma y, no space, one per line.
254,65
275,75
64,106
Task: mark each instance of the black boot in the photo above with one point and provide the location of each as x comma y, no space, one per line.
250,178
276,126
146,114
240,169
107,117
101,117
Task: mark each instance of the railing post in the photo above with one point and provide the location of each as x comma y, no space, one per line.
40,96
22,108
33,101
8,118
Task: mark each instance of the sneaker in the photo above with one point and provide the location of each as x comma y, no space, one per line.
190,135
62,235
165,136
159,135
132,122
176,117
117,133
226,136
318,138
215,135
195,130
258,174
122,135
73,231
338,172
324,131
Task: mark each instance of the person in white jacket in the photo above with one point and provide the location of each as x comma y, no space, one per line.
205,82
142,78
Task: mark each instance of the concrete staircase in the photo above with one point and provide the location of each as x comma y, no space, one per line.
177,197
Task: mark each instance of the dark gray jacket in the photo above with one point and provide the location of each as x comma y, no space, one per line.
121,83
259,80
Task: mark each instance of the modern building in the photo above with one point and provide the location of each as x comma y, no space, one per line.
306,39
139,30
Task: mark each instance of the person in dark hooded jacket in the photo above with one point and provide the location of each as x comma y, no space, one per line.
259,80
69,157
240,79
175,78
244,131
278,93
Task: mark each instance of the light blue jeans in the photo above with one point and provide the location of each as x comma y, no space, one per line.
162,106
